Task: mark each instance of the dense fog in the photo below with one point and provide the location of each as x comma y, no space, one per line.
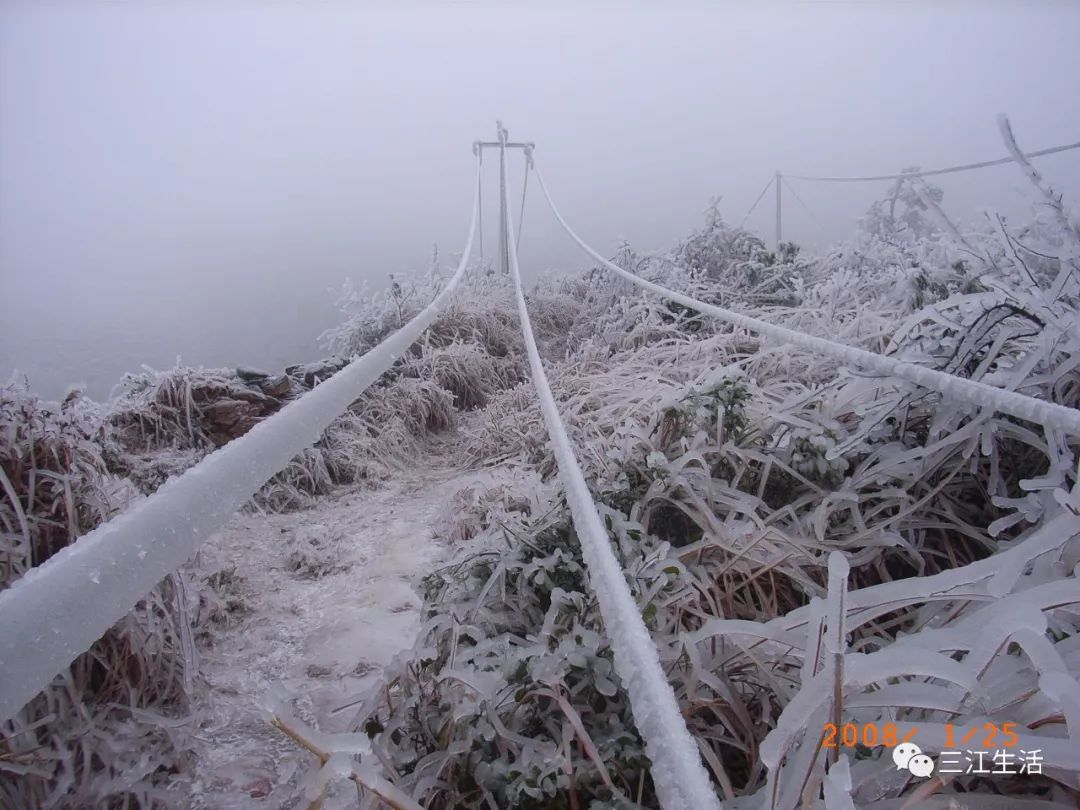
197,180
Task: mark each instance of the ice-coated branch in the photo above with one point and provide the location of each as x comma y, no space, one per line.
306,738
1069,262
1052,199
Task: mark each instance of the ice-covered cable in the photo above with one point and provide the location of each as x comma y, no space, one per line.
760,197
932,172
521,216
680,779
806,207
957,388
58,609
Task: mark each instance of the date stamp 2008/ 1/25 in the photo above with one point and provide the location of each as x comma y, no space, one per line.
982,749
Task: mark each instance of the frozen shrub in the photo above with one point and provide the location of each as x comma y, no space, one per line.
807,544
110,730
474,509
519,706
313,552
221,600
468,372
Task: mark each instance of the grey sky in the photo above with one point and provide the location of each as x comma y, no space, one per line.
192,178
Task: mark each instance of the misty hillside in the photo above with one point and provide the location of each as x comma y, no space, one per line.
406,615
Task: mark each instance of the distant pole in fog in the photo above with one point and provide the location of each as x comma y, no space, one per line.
778,179
504,243
502,143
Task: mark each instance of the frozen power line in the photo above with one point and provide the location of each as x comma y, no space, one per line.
931,172
58,609
760,197
680,778
957,388
806,207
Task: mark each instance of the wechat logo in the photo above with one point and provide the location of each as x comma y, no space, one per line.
908,756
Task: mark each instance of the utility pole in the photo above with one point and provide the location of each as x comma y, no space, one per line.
504,239
778,179
502,143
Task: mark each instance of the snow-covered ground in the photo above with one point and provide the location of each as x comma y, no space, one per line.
322,600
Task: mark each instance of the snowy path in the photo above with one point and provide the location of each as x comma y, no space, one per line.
324,599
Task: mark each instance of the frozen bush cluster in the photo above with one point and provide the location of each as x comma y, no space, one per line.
115,729
806,544
109,730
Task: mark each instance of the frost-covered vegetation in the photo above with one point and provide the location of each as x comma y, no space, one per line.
116,729
108,728
806,544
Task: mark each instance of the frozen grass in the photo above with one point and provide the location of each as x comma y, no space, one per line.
111,729
114,728
806,544
163,422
